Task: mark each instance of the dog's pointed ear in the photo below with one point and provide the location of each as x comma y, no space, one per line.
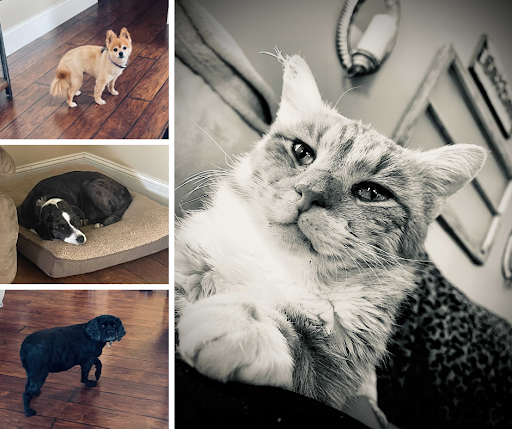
43,231
111,36
120,332
93,330
124,33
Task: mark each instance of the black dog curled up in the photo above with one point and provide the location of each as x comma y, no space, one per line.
59,349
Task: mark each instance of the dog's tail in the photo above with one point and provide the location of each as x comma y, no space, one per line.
61,83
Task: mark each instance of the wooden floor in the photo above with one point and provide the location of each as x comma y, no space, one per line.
133,391
150,269
141,110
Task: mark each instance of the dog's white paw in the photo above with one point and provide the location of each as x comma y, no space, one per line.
114,92
98,225
73,104
101,101
229,337
78,93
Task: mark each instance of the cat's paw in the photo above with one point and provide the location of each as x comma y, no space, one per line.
229,337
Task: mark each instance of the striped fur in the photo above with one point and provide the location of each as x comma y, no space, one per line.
268,295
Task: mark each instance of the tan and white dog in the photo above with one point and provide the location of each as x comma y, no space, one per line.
104,63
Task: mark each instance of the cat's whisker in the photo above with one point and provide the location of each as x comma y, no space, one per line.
206,183
213,140
200,175
341,96
200,197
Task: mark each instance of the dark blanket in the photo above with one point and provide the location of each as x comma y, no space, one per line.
200,400
450,362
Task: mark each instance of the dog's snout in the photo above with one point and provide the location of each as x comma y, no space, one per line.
80,239
121,55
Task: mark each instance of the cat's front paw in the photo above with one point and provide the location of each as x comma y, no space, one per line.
229,337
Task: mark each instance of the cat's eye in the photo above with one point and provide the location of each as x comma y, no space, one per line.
371,192
303,153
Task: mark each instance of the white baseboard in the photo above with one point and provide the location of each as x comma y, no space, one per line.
144,184
151,187
48,164
30,29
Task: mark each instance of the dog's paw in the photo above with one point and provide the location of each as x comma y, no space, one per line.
77,93
229,337
114,92
90,383
30,412
72,104
98,225
100,101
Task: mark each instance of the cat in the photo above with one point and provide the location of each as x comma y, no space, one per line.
293,273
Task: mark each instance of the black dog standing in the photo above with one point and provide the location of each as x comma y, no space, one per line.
59,349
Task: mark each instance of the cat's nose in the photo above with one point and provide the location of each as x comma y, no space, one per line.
309,198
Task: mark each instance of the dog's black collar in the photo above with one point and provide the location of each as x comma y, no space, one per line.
121,67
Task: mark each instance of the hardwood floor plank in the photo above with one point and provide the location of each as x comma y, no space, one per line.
95,116
21,316
98,25
148,87
161,257
32,74
114,6
117,275
141,407
126,20
16,107
27,49
13,419
149,269
158,45
48,48
10,327
60,120
122,119
34,116
51,390
155,119
121,362
84,414
66,424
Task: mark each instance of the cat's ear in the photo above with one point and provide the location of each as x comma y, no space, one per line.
447,169
300,91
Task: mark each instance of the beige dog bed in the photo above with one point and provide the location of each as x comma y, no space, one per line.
143,230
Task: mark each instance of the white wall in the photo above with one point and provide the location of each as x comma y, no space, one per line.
309,28
23,21
152,160
13,12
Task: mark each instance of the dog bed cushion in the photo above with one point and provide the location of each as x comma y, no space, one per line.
143,230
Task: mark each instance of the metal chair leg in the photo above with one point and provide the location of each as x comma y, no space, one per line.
3,60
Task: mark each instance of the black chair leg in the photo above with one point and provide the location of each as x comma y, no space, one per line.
5,69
